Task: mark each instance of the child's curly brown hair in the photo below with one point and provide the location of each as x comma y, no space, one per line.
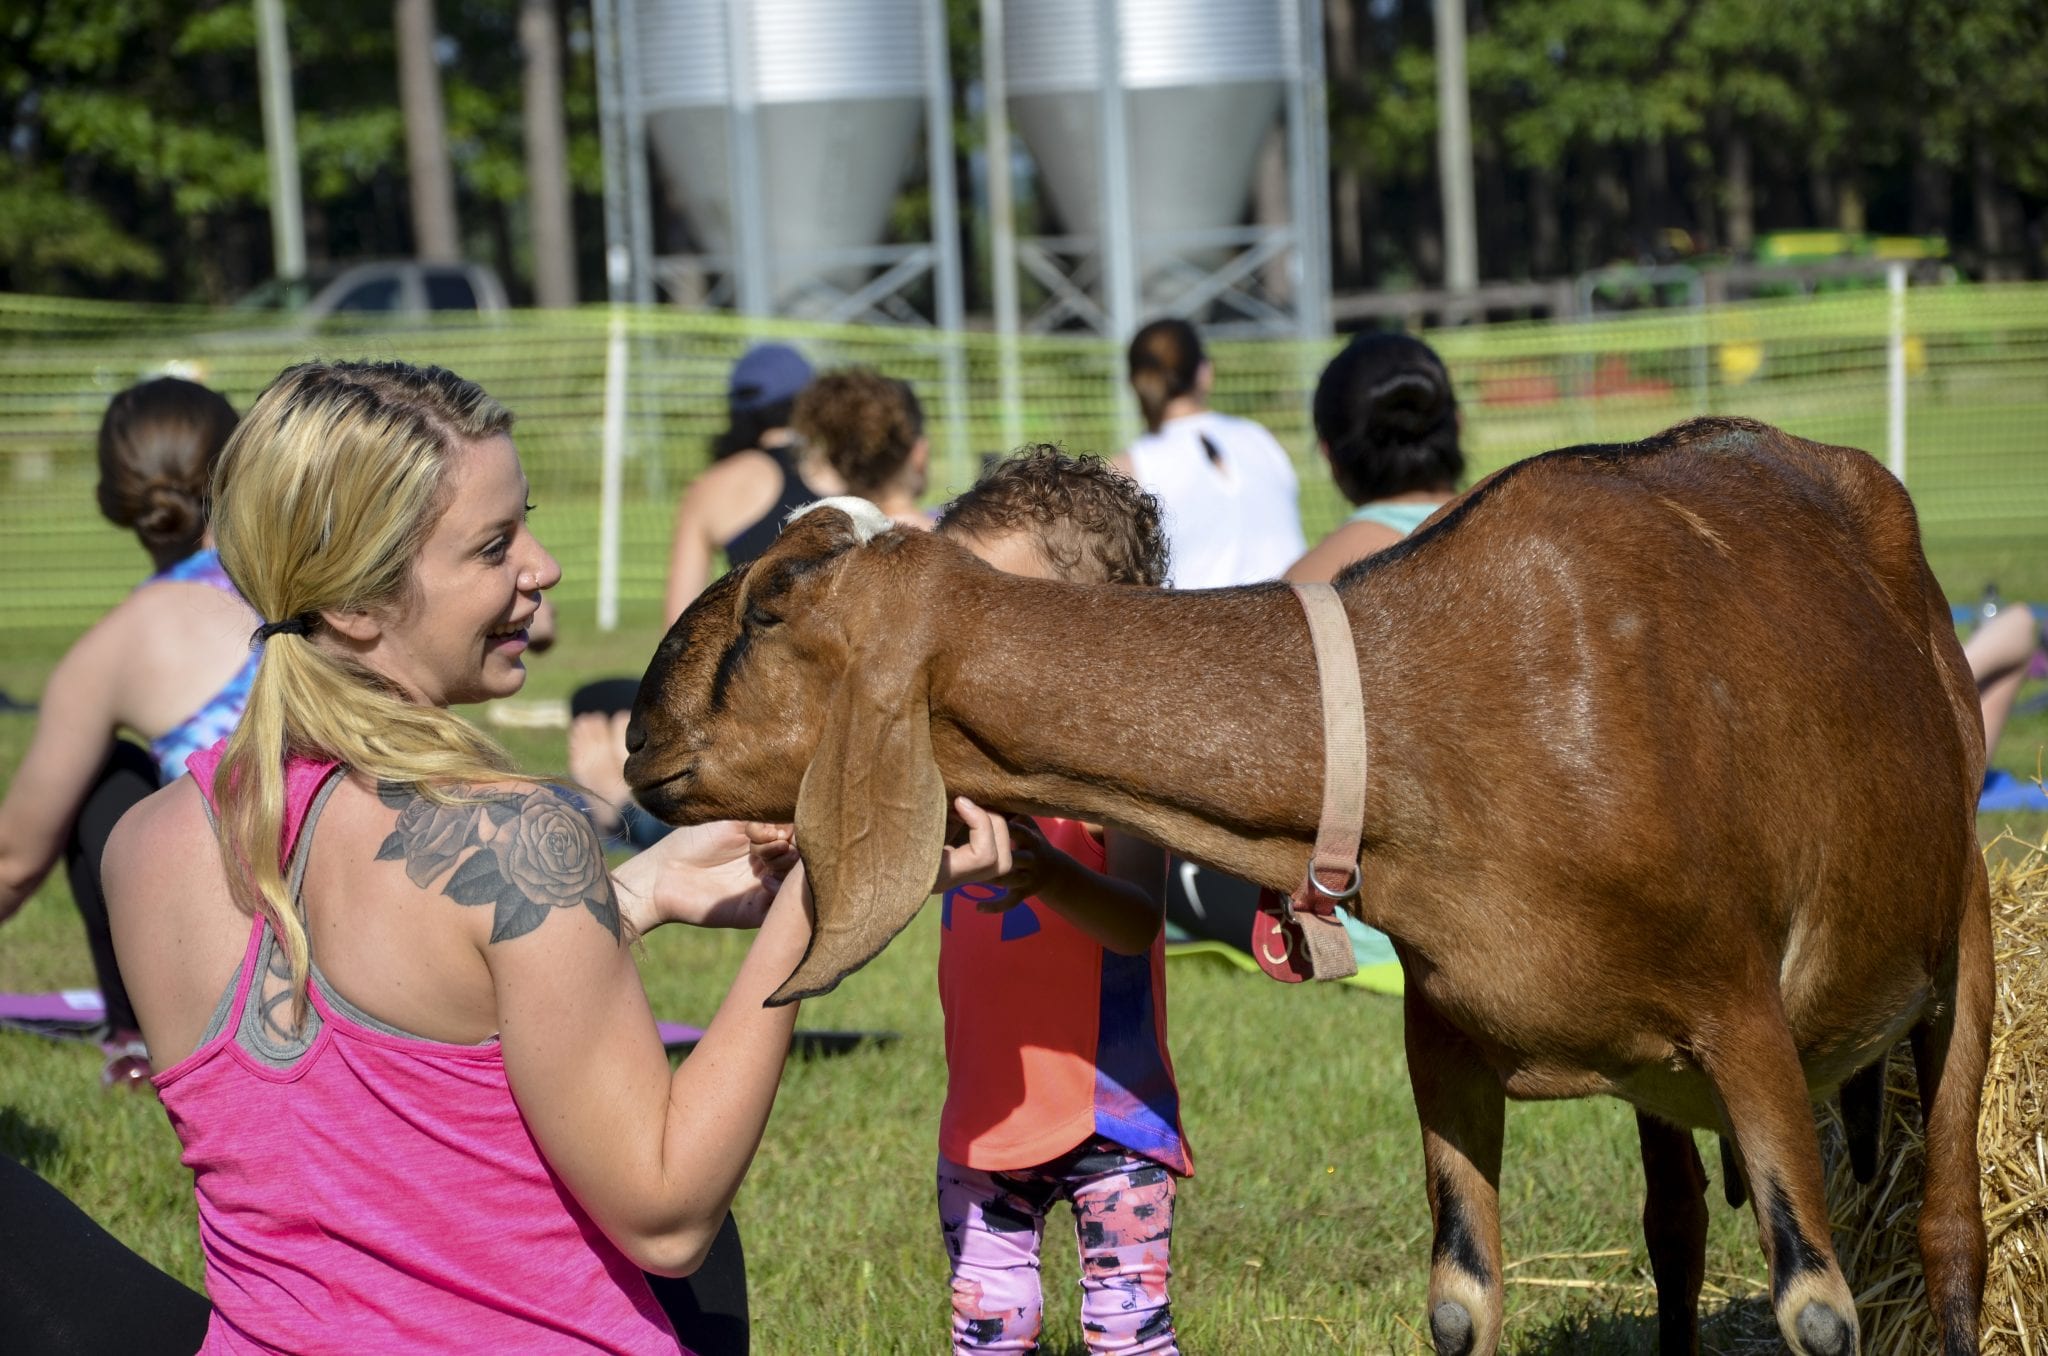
865,423
1092,523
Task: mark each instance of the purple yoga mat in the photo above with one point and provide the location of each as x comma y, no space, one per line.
74,1014
676,1036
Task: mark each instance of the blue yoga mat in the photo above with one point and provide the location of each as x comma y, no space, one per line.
2005,792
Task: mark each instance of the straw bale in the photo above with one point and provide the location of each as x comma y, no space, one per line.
1875,1224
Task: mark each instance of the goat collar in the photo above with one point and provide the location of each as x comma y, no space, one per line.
1301,937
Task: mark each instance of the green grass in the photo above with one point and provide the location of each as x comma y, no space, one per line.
1304,1231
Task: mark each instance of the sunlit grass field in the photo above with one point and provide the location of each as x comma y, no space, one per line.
1305,1229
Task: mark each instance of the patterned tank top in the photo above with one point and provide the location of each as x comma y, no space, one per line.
1403,518
217,718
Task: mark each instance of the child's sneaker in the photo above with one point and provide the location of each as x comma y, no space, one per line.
128,1063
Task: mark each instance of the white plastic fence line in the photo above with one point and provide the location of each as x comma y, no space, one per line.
614,454
1895,372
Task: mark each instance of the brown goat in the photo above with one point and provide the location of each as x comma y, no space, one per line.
1670,796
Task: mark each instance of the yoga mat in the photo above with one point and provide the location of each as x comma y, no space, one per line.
2004,792
79,1014
68,1014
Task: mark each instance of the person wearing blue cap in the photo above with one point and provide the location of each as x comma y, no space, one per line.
758,476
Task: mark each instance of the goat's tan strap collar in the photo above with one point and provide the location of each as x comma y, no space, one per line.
1302,938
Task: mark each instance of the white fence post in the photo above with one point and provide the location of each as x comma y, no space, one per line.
614,453
1895,374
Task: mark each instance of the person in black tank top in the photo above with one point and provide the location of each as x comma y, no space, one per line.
727,507
748,544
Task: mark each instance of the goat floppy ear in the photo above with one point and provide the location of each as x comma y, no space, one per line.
871,824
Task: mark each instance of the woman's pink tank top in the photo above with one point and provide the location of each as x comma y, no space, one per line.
380,1192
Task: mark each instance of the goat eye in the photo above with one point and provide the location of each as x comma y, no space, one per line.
757,616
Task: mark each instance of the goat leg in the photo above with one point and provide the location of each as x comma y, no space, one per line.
1463,1109
1950,1049
1675,1227
1755,1070
1863,1117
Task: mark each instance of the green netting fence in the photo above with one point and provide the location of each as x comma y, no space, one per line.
1972,364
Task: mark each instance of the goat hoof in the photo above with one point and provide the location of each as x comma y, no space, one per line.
1450,1327
1822,1332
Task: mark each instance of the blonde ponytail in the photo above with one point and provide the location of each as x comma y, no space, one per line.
322,500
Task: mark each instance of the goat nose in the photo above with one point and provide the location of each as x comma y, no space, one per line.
636,734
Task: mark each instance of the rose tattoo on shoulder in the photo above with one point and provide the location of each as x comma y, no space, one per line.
535,853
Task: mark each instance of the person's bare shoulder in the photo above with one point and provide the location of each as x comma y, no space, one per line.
185,613
1344,547
515,851
175,645
732,494
165,840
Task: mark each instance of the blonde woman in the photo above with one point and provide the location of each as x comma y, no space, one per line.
386,978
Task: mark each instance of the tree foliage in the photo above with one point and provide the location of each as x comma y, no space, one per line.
1844,102
134,150
135,139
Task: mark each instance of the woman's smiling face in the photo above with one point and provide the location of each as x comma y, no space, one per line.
459,635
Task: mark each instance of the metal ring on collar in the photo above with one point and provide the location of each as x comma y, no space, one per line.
1350,891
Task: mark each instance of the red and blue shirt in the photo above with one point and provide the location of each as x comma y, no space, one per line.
1051,1038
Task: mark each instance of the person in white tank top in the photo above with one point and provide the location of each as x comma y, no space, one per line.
1226,487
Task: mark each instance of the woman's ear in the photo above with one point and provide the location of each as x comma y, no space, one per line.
363,628
1205,378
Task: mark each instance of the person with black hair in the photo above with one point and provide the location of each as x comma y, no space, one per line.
758,476
1387,421
170,662
1226,486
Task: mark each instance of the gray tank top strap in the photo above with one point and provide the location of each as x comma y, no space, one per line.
265,1030
270,956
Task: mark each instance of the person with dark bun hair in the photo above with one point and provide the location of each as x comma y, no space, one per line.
170,663
1387,421
870,430
758,475
1226,485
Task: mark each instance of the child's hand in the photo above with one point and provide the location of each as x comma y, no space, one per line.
1030,858
986,855
1002,850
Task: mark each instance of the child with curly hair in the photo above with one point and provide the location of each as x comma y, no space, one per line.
1051,973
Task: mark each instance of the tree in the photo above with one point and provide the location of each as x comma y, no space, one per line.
547,164
133,140
426,137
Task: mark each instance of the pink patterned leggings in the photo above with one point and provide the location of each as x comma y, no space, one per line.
994,1223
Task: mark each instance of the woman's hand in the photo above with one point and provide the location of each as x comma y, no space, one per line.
721,875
